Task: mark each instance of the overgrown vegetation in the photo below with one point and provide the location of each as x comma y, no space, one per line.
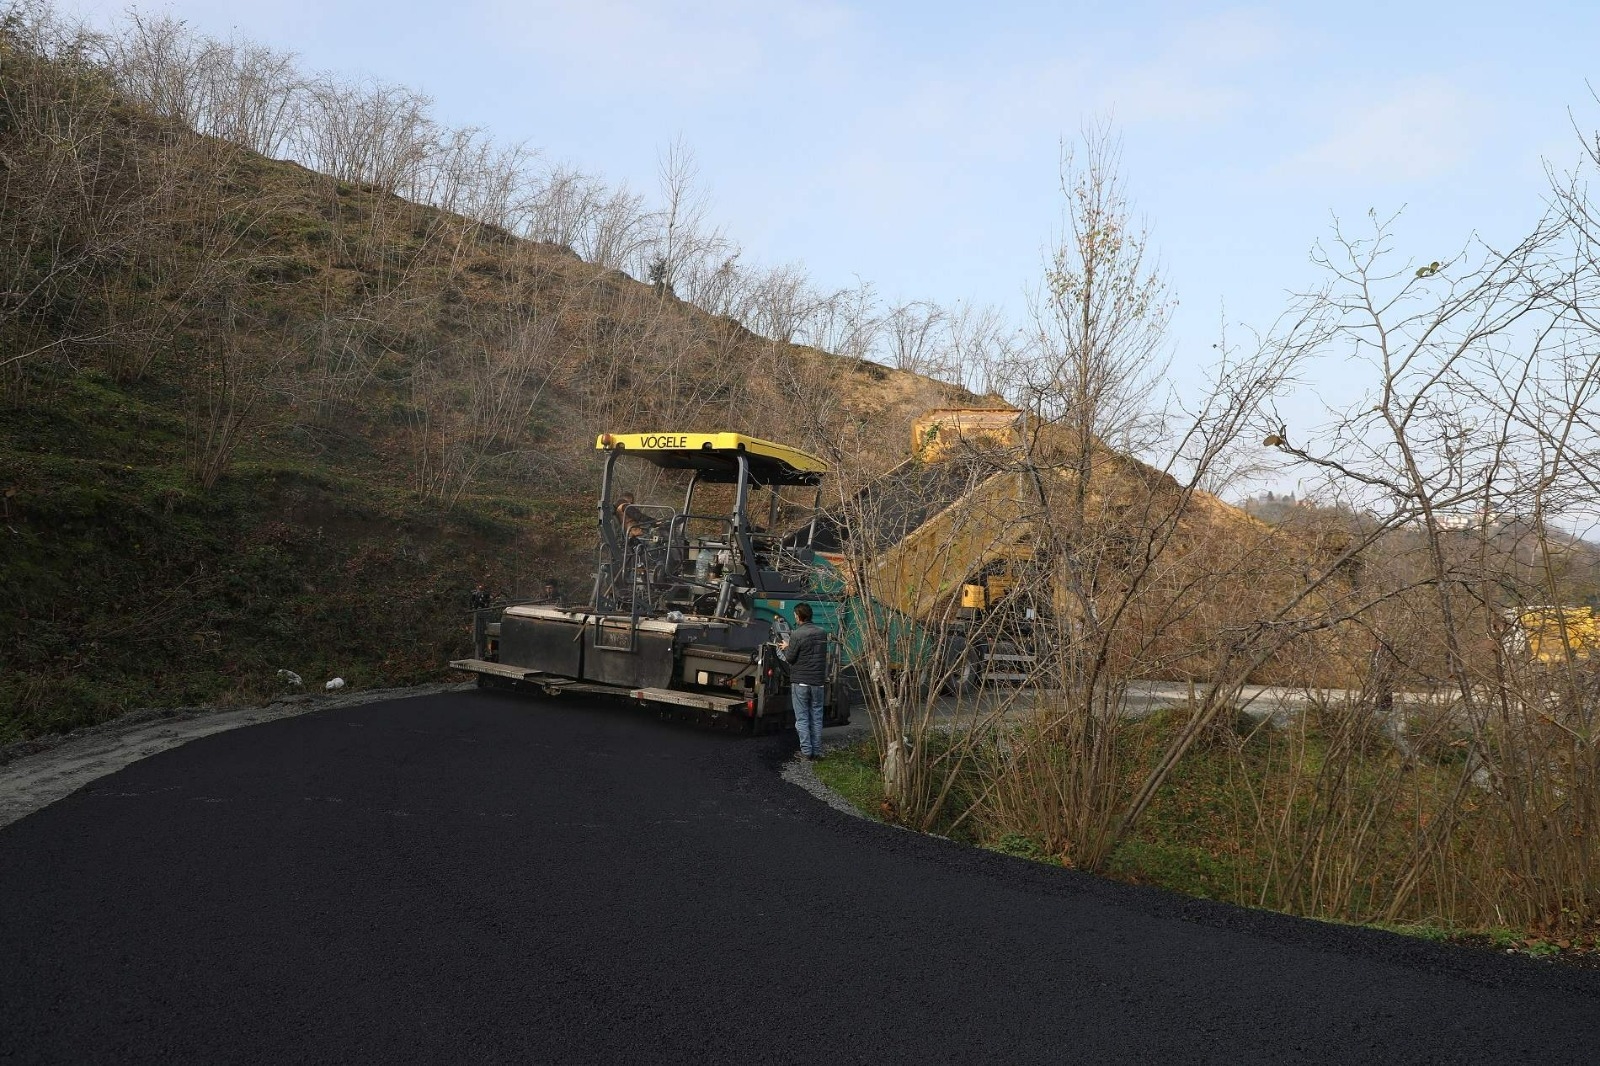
128,585
258,417
1446,774
1227,825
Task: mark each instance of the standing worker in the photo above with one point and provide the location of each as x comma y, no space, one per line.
806,652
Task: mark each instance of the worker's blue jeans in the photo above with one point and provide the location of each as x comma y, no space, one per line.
807,700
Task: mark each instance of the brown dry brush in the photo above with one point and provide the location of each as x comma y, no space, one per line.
1448,779
931,722
1156,587
1475,807
134,242
71,199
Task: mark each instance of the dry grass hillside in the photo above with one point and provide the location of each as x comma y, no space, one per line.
254,417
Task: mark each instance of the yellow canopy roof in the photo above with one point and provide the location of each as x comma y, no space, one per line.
716,455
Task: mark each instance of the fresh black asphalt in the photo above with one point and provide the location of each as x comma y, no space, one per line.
479,877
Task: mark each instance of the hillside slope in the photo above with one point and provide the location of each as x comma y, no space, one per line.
253,418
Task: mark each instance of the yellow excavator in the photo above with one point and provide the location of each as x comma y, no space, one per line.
1553,635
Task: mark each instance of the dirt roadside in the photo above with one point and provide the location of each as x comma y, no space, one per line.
36,773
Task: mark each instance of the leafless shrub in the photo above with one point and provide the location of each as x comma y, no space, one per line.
984,349
1114,569
563,207
1472,445
914,335
919,655
227,383
257,98
159,63
237,90
845,322
372,134
778,303
685,247
474,410
618,230
73,202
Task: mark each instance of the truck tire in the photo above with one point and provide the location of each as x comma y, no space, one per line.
965,670
846,697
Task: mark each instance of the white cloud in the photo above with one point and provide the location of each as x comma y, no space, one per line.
677,48
927,141
1417,129
1196,73
1235,38
1191,73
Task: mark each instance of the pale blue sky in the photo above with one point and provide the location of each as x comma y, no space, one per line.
915,144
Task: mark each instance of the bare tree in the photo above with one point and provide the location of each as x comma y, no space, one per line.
1100,325
914,336
617,228
779,302
159,63
723,291
255,96
477,413
985,350
1118,570
685,243
228,381
563,206
1484,367
846,322
243,92
373,134
75,199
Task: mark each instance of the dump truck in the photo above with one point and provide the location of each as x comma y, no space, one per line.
937,543
690,599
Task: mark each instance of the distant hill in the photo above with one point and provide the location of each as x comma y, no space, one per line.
254,418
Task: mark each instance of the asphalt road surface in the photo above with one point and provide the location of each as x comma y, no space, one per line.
481,877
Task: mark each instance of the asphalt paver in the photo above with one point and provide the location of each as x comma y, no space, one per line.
482,877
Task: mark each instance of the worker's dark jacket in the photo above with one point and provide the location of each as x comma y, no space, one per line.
807,655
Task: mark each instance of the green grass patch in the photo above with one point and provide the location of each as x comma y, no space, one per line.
124,585
1022,846
1191,869
852,772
